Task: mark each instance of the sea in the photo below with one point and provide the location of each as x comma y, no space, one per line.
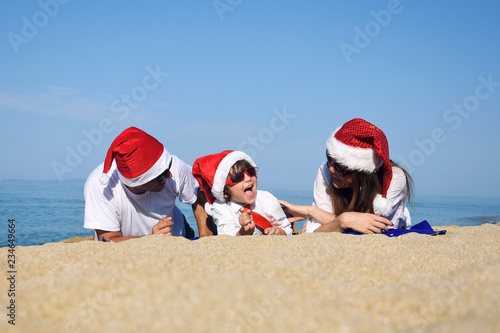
40,212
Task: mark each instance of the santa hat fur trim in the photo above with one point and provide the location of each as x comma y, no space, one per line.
157,169
381,206
354,158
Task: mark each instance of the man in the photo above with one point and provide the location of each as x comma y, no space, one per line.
133,193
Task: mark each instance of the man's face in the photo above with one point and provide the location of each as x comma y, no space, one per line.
155,185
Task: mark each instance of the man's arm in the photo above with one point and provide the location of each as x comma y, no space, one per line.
164,227
205,222
111,236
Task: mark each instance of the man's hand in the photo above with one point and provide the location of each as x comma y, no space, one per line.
164,226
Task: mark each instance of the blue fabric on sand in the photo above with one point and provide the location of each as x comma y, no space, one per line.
422,228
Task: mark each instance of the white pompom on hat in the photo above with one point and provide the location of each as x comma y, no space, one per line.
139,158
211,172
361,146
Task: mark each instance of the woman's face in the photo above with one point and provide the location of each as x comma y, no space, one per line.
341,177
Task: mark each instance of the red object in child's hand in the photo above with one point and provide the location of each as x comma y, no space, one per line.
259,220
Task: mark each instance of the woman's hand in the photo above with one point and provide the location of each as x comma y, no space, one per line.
299,212
363,222
302,212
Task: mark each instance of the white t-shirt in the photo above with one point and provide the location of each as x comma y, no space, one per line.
226,214
115,208
396,194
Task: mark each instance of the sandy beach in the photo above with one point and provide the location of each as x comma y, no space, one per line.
305,283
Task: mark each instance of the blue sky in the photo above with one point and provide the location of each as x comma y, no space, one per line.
272,78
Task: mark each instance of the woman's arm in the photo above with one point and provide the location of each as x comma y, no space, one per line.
361,222
302,212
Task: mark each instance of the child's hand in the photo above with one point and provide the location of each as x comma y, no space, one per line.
274,230
247,223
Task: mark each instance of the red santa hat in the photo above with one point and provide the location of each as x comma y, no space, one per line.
211,172
361,146
139,158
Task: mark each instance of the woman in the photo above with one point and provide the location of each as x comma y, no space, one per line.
358,188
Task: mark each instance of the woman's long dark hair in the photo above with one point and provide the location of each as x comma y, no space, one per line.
366,186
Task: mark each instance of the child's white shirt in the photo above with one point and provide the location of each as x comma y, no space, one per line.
226,214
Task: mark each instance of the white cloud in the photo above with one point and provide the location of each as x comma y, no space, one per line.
57,101
62,91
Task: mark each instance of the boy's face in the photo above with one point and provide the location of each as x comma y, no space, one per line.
244,192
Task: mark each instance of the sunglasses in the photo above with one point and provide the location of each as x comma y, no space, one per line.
339,169
238,177
165,174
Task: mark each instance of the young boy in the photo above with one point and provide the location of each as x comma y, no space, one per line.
229,180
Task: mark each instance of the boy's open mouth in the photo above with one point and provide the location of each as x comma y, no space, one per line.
249,191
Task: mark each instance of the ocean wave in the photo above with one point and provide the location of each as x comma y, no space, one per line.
486,219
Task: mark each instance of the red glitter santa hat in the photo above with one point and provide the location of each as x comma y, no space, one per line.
211,172
139,158
361,146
